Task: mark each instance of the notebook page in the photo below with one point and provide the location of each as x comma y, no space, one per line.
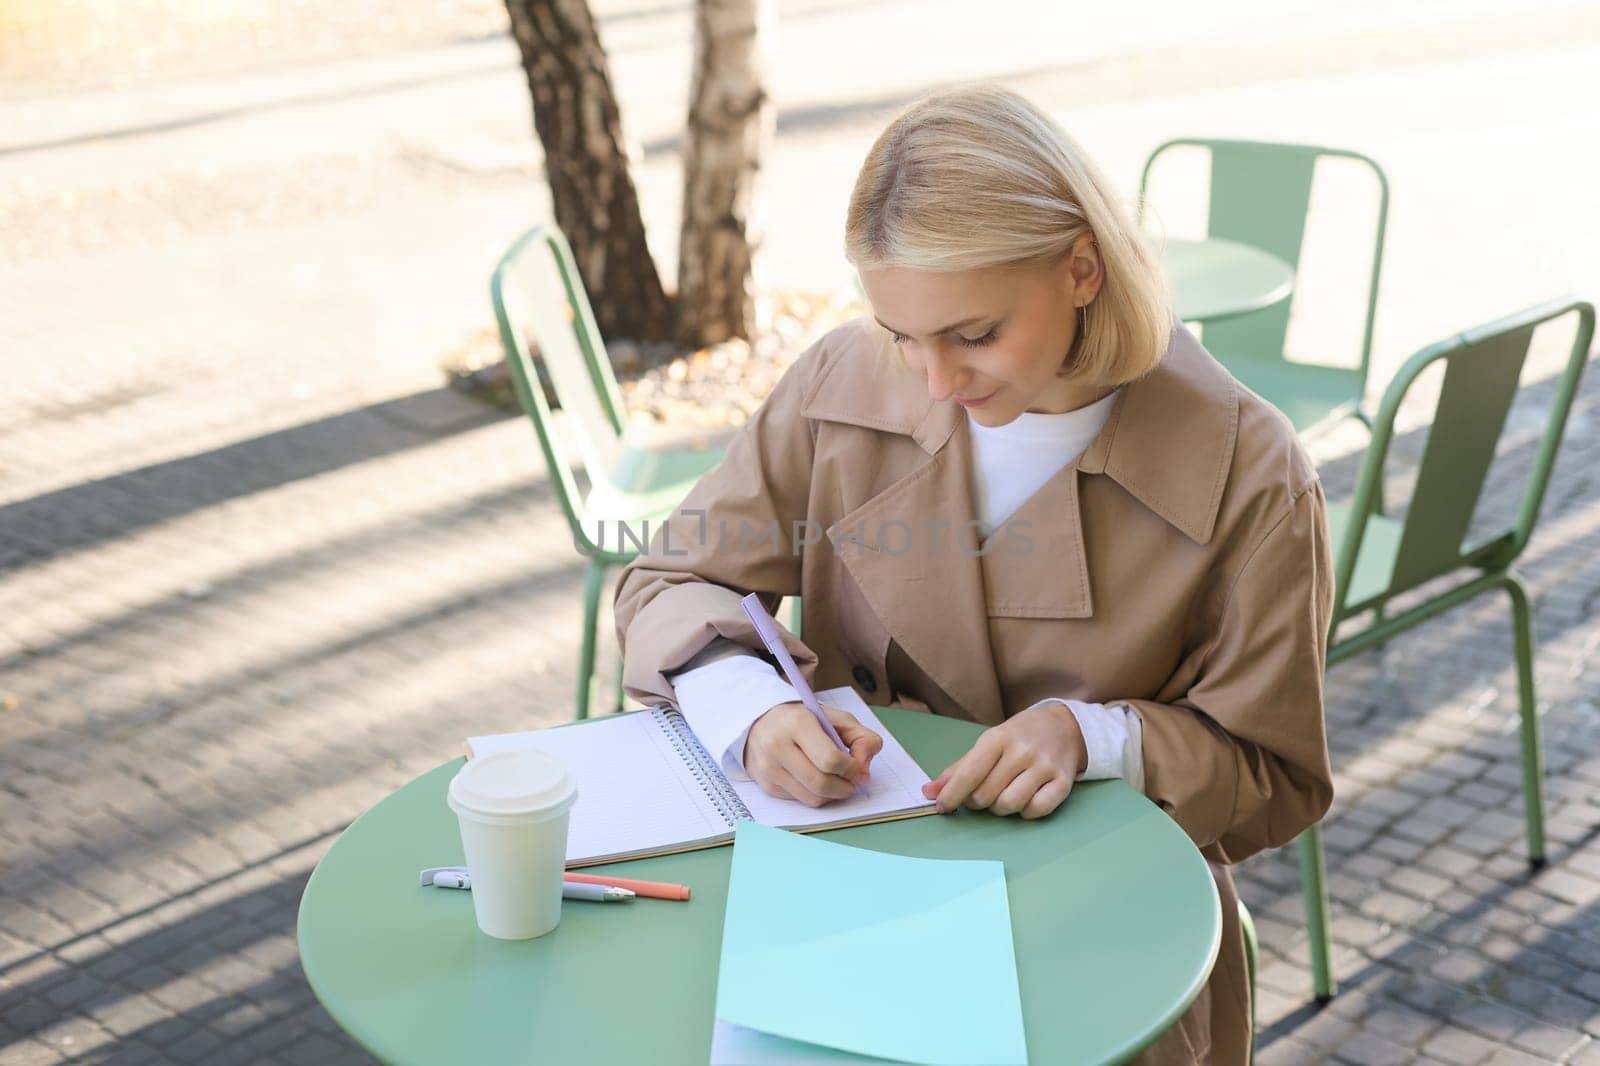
896,783
634,792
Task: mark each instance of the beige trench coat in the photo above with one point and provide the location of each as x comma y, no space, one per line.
1181,565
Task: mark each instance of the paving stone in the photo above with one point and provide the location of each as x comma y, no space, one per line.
1552,1043
163,1033
30,1015
1450,813
1459,1046
130,1053
1587,985
184,993
1356,931
1505,1056
233,1054
1571,887
1488,1018
1393,907
111,964
32,1053
129,1014
1588,1055
1324,1031
196,1046
77,1035
1434,998
1418,883
1398,848
1370,1049
1463,968
1501,948
1563,1009
79,989
1486,795
1401,1024
1286,1051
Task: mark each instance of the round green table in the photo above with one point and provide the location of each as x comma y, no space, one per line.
1115,915
1216,279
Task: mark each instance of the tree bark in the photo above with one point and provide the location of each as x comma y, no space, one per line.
576,117
729,129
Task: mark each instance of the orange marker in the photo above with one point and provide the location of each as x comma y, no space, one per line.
652,889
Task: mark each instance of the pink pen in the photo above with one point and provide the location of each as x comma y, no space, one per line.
774,642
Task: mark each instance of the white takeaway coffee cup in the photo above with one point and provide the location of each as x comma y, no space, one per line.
513,807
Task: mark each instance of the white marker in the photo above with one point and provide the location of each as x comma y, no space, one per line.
447,878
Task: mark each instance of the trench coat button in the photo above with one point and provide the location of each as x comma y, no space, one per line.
864,678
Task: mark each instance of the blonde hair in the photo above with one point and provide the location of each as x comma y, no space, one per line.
978,177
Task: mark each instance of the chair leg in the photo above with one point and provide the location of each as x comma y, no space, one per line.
593,581
1315,892
1252,953
1380,612
1532,751
617,706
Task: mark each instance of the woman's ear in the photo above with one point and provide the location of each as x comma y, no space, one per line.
1085,270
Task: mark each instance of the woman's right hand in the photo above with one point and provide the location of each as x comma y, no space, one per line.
789,755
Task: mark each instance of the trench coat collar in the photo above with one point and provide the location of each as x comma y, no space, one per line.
1186,408
1168,441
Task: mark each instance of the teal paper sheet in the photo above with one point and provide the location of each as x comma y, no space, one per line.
882,955
734,1045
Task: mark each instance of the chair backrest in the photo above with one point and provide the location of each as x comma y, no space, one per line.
1481,371
1261,195
539,297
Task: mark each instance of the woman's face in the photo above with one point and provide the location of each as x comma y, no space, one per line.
990,340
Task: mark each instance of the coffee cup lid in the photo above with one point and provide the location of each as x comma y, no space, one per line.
512,784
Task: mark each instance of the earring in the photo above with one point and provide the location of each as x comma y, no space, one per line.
1077,343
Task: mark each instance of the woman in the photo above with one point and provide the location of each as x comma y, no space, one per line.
1023,496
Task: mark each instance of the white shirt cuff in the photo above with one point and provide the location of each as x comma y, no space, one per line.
722,700
1113,736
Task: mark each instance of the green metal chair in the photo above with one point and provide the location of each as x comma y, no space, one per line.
538,295
1260,195
1252,954
1378,558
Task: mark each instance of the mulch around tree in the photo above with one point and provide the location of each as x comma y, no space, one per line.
717,386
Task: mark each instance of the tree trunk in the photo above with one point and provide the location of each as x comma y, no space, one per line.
575,115
729,128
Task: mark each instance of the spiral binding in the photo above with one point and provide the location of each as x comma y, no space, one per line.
699,762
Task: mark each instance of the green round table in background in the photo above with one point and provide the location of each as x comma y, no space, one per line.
1215,279
1115,915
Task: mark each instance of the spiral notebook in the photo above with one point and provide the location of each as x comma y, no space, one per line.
646,785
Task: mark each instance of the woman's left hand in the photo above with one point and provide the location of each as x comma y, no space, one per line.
1026,765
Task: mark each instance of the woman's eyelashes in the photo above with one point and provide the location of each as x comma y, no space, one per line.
965,342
